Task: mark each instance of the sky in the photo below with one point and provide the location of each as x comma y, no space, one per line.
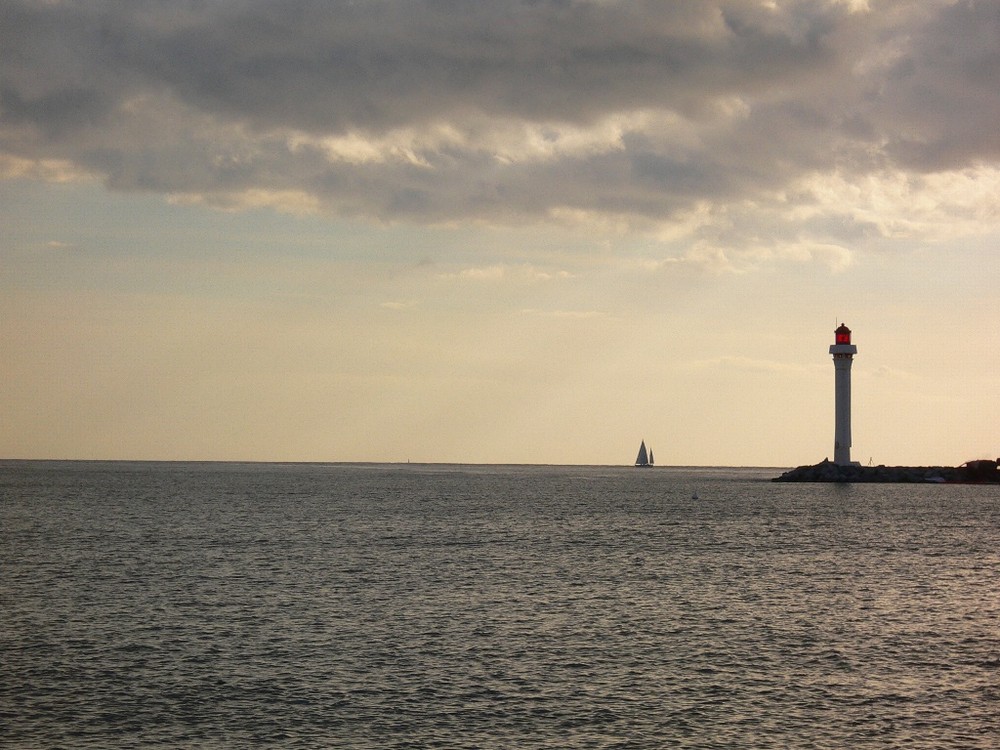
516,231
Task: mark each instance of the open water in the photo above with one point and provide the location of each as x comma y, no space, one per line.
171,605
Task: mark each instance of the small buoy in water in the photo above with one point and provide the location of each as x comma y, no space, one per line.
695,495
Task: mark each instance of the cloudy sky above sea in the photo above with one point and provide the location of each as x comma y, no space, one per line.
527,231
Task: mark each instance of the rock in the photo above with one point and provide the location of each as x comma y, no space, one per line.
974,472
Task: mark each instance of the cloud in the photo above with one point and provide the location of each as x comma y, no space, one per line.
565,314
500,272
896,374
747,364
48,170
296,202
712,125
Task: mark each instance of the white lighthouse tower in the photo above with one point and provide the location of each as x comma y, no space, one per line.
843,352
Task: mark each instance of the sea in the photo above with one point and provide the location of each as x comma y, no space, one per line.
245,605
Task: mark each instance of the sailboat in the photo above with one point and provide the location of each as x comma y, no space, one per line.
644,458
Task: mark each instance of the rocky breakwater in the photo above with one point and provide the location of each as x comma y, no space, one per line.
971,472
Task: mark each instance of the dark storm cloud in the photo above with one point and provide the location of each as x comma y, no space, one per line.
214,98
943,91
327,66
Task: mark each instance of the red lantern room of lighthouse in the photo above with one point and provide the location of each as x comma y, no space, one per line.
842,334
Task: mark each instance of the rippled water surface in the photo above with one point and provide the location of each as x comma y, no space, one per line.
312,606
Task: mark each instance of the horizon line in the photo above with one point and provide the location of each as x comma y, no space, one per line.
373,463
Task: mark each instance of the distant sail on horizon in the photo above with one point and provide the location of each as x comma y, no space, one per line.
644,459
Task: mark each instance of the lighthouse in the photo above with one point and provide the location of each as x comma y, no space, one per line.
843,352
